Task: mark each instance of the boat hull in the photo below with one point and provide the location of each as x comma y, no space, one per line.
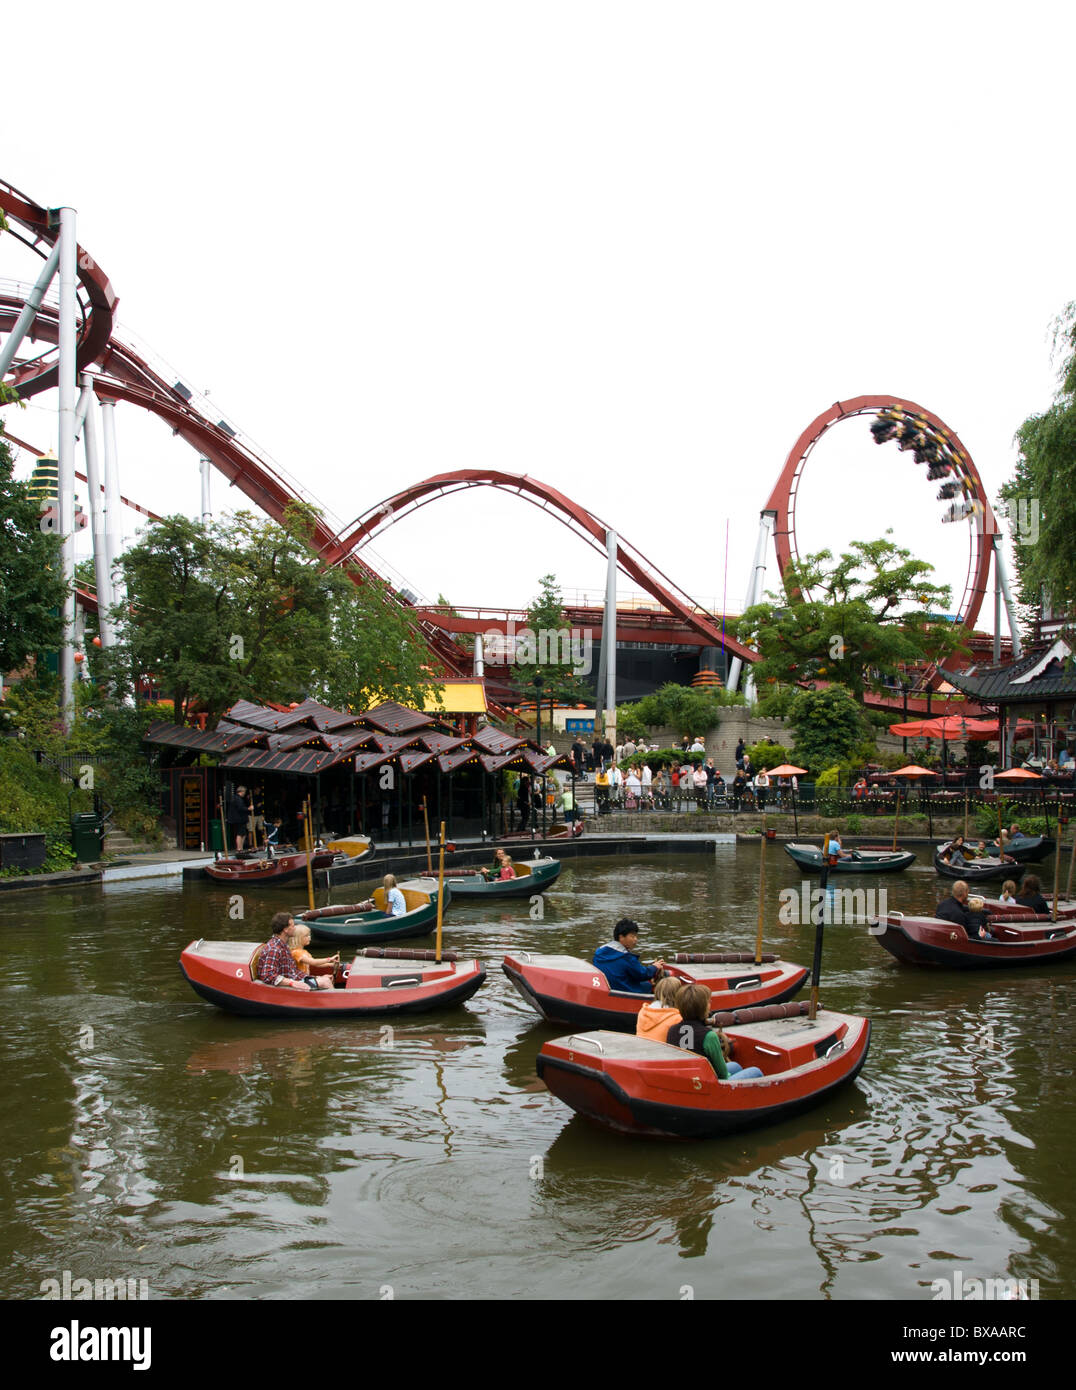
810,861
219,972
282,868
933,941
979,872
349,926
541,874
565,990
649,1089
371,928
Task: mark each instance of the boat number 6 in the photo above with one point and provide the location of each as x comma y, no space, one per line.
239,974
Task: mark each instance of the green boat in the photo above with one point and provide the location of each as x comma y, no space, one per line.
856,861
532,876
348,925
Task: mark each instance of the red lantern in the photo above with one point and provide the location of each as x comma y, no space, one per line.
97,641
79,657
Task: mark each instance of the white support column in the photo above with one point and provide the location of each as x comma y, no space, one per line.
1003,575
68,326
98,510
479,657
756,587
29,310
207,510
607,660
114,532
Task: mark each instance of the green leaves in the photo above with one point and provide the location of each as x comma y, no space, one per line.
1041,496
31,575
243,609
828,724
853,621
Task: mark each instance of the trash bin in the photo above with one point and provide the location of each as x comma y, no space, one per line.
216,839
87,836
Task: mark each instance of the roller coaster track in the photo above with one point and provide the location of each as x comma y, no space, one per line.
123,374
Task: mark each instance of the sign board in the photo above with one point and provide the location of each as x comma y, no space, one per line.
579,726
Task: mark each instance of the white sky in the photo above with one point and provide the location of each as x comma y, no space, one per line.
629,249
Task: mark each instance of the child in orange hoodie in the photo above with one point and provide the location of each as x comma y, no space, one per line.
659,1014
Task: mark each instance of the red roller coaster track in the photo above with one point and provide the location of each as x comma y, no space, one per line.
124,375
783,498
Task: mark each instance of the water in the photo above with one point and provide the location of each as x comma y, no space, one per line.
147,1135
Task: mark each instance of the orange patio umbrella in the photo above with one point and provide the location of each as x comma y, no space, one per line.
787,770
1022,774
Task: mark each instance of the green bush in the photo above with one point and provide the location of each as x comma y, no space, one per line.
767,755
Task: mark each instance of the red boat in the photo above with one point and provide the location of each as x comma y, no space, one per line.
380,980
1066,910
565,989
1021,938
258,868
649,1088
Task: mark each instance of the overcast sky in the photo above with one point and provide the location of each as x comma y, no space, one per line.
631,250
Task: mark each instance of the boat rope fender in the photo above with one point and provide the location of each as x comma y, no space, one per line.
729,1018
724,958
336,911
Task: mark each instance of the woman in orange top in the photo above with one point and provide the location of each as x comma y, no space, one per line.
659,1014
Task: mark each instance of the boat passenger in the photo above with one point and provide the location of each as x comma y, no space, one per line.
657,1017
299,943
621,966
503,866
694,1034
394,899
275,963
831,845
1030,895
958,910
1008,892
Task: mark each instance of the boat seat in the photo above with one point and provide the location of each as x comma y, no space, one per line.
255,960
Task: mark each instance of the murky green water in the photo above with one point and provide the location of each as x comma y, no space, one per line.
147,1135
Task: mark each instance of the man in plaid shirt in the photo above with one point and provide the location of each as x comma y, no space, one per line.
276,966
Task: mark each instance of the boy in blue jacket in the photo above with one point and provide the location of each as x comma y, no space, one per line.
621,966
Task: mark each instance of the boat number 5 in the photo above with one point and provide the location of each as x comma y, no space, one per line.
696,1081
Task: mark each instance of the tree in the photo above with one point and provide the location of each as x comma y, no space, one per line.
828,725
547,646
32,589
678,706
1041,497
175,622
869,614
244,610
377,651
